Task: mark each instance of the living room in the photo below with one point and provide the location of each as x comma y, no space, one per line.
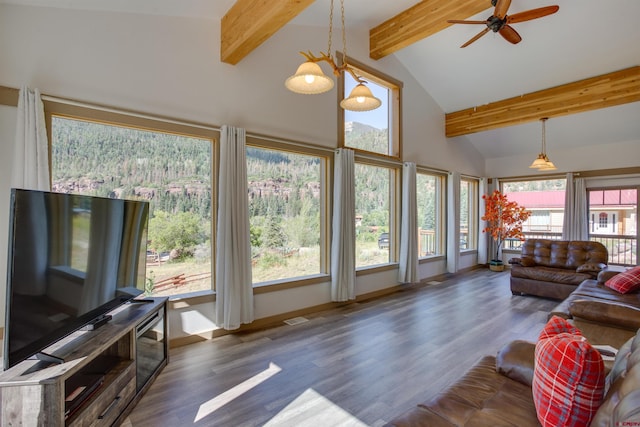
166,66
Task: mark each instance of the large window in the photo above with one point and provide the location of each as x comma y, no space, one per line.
286,202
430,203
545,199
376,131
375,236
613,221
468,213
172,171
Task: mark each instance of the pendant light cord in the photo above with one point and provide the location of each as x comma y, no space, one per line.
330,29
544,136
344,34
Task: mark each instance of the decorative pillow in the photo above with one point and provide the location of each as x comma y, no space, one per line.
527,262
625,282
568,378
568,381
557,325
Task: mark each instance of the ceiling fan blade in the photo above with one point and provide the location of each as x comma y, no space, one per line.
501,8
462,21
527,15
476,37
510,34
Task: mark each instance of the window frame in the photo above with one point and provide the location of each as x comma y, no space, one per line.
528,225
473,219
325,156
441,203
395,169
394,102
123,118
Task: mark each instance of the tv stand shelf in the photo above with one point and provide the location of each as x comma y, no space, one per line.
103,373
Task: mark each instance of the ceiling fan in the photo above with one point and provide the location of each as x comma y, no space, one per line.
499,21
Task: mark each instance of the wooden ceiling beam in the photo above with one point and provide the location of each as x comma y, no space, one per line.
248,23
607,90
418,22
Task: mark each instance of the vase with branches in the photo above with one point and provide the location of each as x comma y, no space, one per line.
504,220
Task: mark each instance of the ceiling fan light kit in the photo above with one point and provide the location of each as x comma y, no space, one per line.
499,21
310,80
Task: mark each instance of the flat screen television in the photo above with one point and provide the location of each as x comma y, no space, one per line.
71,259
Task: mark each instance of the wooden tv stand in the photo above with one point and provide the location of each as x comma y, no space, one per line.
117,362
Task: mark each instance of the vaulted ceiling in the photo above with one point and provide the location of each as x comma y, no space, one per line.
581,65
250,22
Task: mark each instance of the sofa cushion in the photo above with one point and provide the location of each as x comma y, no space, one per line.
481,397
549,274
563,253
568,378
625,282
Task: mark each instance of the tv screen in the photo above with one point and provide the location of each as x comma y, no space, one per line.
71,259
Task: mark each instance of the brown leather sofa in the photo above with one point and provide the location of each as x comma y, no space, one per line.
555,268
603,315
496,391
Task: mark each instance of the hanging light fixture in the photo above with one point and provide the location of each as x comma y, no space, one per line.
542,163
309,78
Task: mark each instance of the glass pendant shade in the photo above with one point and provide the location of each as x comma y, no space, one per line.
548,166
360,99
539,162
309,80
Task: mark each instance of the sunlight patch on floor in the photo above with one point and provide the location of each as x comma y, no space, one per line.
311,409
209,407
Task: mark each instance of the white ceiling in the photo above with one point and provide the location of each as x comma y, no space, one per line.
583,39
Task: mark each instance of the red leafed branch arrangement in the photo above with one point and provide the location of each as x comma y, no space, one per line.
504,218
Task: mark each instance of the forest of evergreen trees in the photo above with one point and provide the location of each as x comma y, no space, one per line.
174,174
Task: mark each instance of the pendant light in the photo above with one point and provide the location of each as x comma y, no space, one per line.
542,162
309,78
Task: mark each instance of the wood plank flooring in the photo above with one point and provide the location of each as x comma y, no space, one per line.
358,365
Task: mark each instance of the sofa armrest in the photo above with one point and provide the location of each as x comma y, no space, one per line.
516,260
609,313
606,274
515,360
591,267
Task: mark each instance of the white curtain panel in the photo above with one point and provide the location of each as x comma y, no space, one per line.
575,225
30,153
484,240
453,219
408,268
234,291
343,251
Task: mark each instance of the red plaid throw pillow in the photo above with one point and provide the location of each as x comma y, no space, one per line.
627,281
568,378
557,325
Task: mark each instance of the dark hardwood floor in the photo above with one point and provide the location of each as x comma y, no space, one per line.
359,365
